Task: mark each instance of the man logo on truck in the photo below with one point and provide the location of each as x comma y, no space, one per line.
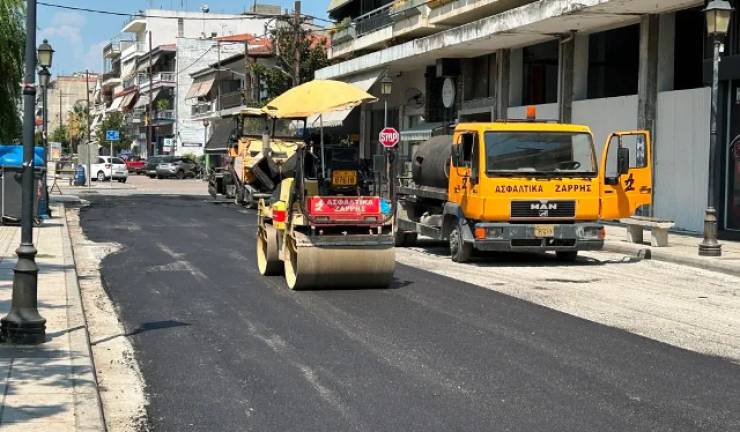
544,207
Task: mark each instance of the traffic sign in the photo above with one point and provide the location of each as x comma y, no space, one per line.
112,135
389,137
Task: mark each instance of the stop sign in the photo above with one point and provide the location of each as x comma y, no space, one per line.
389,137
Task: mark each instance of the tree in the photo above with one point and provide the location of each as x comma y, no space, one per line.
113,121
12,41
60,135
279,78
77,125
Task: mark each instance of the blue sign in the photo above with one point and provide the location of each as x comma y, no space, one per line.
112,135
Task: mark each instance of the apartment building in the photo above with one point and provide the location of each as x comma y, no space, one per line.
610,64
149,63
64,92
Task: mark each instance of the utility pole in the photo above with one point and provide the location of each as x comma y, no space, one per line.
87,156
297,43
149,110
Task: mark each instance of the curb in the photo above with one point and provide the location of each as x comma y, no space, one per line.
89,415
657,254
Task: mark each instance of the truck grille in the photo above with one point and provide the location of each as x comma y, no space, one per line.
543,209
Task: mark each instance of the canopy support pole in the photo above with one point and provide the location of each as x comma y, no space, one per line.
323,162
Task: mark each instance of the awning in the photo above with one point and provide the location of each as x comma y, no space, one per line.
144,65
336,4
200,87
144,99
364,82
116,104
128,100
219,140
420,132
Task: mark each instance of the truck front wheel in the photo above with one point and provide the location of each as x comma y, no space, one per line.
459,250
567,256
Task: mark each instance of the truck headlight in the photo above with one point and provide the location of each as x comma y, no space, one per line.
594,233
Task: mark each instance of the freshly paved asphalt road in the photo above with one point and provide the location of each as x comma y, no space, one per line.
224,349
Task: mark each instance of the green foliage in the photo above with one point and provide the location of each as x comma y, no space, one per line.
12,45
113,121
77,125
60,135
279,78
163,104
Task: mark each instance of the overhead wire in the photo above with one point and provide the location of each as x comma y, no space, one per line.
244,15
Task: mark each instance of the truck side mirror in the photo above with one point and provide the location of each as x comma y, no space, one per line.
455,155
623,160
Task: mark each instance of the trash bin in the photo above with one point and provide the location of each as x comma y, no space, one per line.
80,178
11,182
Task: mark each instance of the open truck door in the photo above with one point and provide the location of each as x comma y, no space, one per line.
626,175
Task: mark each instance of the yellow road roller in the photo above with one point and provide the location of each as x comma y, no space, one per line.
321,235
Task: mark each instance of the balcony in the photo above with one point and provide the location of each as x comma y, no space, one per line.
202,108
374,20
113,49
134,24
344,35
458,12
403,9
134,49
164,116
159,79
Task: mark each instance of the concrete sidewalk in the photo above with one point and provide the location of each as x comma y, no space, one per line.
682,249
50,387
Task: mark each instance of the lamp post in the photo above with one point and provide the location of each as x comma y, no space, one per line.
717,14
386,88
24,324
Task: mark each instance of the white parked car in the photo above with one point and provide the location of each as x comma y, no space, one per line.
108,168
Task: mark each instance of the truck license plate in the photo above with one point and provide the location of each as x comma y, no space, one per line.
344,178
544,231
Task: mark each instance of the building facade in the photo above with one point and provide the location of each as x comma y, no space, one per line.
147,73
609,64
64,92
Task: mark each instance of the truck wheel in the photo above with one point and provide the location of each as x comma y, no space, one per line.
404,238
568,256
459,250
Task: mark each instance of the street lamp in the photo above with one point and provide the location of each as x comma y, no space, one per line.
45,54
24,324
717,14
386,88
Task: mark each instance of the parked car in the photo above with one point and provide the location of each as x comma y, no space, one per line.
151,164
179,167
135,164
107,168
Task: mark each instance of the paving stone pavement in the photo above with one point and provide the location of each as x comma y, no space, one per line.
50,387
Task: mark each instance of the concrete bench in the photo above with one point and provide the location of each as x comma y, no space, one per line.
658,229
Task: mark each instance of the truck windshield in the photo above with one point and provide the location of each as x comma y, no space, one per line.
282,128
540,153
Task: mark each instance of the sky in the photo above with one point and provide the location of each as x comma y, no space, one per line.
78,38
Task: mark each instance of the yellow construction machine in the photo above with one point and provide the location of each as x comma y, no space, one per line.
264,145
323,227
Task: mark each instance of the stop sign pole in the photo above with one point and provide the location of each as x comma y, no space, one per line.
389,138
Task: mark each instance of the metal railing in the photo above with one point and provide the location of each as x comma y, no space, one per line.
165,115
374,20
142,79
202,108
231,100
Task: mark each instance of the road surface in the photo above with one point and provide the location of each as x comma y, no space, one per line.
222,348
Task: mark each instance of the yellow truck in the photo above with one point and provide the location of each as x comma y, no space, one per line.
527,186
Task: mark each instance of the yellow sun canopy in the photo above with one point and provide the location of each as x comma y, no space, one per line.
317,97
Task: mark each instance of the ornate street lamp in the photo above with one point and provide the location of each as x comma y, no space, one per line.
386,88
717,14
45,54
24,324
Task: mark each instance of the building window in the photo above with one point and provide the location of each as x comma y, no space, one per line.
540,68
180,27
614,62
688,49
478,77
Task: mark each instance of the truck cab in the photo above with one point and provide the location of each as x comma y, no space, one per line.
532,187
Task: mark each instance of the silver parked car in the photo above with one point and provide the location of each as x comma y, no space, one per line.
178,167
